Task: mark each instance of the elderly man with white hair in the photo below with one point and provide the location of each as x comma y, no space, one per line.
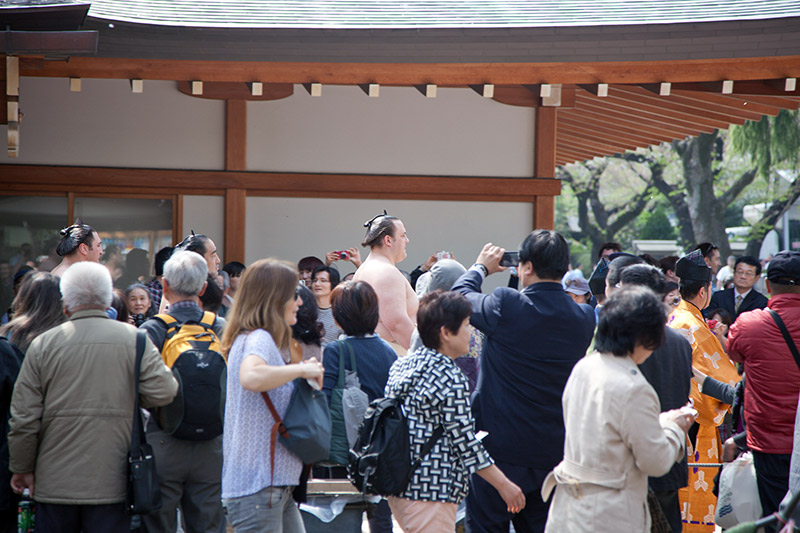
72,410
189,471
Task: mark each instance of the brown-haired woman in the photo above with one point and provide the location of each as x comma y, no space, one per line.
37,308
257,480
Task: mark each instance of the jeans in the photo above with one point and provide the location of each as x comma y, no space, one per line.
269,510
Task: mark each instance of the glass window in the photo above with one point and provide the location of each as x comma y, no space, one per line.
132,231
29,228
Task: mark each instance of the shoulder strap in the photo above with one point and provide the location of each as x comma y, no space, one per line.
137,430
277,427
208,319
788,338
437,434
169,320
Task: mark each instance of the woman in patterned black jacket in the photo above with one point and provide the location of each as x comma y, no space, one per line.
435,392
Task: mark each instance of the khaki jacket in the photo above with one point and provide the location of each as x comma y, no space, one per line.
72,408
615,439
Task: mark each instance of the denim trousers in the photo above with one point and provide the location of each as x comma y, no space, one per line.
271,509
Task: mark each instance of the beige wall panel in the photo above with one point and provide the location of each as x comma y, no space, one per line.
105,124
401,132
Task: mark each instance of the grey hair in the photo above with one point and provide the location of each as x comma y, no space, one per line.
186,272
86,284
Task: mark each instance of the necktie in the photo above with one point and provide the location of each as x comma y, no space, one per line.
739,299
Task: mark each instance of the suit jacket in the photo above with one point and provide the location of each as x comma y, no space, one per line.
725,300
533,339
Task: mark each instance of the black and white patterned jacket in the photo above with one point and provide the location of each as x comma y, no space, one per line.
437,392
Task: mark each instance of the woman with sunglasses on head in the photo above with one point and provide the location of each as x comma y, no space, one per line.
258,474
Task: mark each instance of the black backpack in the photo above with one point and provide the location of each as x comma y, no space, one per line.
192,350
380,460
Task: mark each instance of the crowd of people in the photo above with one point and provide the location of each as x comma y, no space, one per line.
556,403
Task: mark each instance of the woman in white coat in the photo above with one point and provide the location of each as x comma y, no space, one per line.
615,436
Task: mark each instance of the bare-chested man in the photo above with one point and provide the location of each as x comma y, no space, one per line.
386,238
79,242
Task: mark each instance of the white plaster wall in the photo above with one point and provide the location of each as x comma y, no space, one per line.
206,214
107,125
291,228
401,132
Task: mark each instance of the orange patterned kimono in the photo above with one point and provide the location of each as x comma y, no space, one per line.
697,501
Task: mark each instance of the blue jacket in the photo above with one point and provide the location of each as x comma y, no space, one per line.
533,339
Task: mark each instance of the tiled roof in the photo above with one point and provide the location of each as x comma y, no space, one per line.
388,14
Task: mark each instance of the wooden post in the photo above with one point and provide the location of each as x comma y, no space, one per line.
235,201
235,159
235,134
545,165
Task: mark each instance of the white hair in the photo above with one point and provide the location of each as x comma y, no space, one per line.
86,284
186,272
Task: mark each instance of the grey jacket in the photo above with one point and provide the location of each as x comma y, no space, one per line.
72,408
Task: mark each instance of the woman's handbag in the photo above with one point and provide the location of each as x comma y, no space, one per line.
348,404
144,495
305,429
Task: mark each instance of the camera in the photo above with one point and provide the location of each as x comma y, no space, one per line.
510,259
342,254
443,255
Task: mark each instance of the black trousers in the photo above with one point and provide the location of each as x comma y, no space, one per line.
772,478
58,518
671,507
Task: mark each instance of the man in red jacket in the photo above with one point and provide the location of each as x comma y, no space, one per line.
772,378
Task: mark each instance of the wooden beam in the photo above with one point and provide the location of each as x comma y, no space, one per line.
773,87
239,90
235,135
635,94
518,95
641,112
627,116
154,181
461,74
584,138
544,211
731,108
610,131
733,101
235,203
626,123
48,42
662,112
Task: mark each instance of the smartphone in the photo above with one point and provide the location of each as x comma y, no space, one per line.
510,259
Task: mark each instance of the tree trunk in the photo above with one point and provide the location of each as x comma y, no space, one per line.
707,214
770,217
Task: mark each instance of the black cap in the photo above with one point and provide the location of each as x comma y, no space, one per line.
693,267
784,269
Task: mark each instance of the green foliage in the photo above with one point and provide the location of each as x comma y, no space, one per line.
655,225
770,140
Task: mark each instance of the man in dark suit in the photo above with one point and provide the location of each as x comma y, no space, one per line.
533,339
742,297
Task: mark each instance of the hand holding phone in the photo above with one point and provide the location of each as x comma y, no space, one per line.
510,259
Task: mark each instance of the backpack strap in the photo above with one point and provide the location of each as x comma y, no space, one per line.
437,434
788,338
208,319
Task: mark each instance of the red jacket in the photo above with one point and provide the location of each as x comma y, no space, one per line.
772,378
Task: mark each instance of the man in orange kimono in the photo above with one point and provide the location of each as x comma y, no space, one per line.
698,503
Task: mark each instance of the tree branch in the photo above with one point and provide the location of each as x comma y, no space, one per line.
738,186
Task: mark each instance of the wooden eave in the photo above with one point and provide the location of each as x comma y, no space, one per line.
631,115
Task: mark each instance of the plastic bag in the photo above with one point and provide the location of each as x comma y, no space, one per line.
738,493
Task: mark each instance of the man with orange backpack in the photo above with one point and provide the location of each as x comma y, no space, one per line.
186,435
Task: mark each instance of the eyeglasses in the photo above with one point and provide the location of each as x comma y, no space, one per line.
368,223
745,273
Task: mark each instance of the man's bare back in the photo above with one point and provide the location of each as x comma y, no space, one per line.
396,299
